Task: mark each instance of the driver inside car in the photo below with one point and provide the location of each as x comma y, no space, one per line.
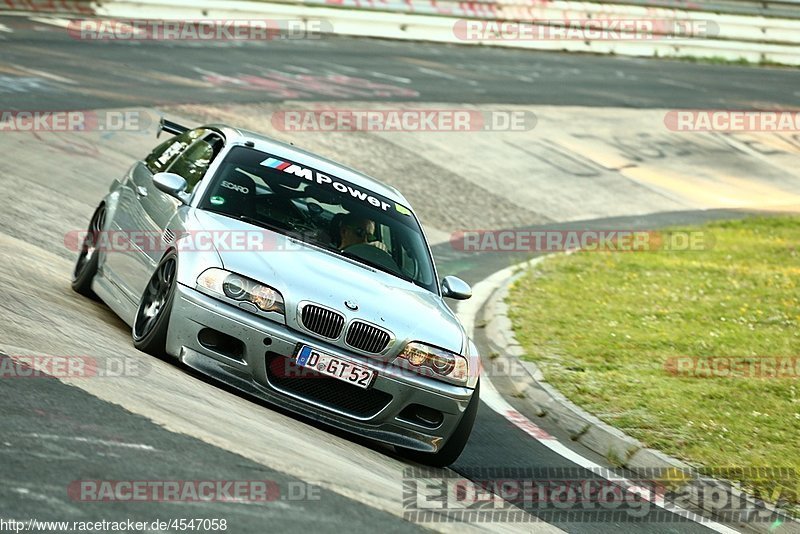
357,230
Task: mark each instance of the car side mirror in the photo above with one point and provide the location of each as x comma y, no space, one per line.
172,184
455,288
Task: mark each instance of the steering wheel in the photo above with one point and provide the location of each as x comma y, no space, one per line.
373,254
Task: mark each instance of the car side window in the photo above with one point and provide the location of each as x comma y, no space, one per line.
193,162
165,153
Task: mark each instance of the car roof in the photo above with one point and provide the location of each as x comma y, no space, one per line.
298,155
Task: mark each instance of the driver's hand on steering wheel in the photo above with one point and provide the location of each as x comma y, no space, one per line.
379,244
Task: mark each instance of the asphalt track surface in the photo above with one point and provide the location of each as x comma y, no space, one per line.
53,433
99,74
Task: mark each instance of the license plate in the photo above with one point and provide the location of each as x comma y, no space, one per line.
335,367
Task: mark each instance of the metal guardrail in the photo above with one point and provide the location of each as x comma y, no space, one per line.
785,9
740,28
737,37
789,9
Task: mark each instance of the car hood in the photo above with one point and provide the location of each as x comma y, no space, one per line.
304,273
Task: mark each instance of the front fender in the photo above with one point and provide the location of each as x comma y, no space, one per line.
194,255
474,364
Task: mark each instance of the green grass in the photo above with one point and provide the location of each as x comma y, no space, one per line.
603,327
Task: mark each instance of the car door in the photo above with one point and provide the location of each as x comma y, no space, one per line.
159,208
141,208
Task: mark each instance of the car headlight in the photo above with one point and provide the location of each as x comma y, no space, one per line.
436,362
240,288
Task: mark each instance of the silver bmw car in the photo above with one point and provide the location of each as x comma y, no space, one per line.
292,278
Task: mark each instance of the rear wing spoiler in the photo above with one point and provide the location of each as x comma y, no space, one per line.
170,127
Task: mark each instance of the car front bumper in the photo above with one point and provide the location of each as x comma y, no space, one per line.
386,411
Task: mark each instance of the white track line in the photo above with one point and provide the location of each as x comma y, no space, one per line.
103,27
108,443
43,74
467,312
52,21
437,73
389,77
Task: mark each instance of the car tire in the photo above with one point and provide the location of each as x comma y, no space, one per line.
155,307
455,444
86,264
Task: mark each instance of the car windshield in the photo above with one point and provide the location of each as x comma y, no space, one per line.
322,210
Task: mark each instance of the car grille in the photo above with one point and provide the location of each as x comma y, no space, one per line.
366,337
322,321
326,391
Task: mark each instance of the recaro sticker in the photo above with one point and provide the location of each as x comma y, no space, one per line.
235,187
